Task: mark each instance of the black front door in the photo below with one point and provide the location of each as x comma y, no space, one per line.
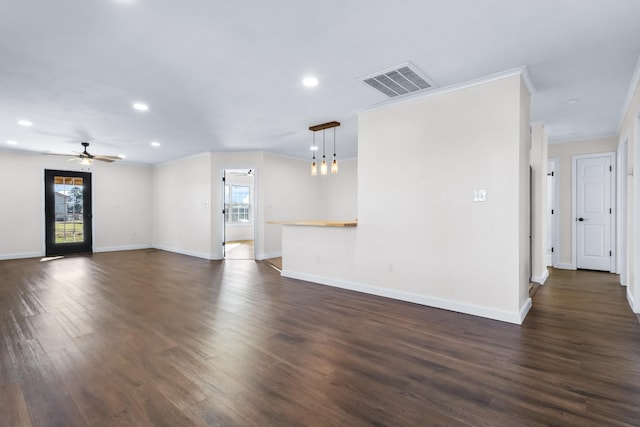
67,212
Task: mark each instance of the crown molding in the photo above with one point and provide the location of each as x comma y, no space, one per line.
633,85
582,138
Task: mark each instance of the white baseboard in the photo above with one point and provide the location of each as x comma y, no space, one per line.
121,248
504,316
524,310
203,255
269,256
22,255
541,279
562,266
631,301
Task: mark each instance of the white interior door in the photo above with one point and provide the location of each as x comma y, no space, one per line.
593,213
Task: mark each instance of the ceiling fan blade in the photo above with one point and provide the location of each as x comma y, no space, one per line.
104,159
58,154
107,157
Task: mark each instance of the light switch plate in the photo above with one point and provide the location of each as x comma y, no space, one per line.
480,195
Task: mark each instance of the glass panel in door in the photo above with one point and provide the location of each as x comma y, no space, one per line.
68,212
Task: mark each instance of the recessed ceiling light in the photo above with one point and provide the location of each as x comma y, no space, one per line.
570,101
310,81
313,148
155,144
25,123
122,156
141,106
10,142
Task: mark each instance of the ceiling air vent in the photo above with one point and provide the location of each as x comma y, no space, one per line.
400,80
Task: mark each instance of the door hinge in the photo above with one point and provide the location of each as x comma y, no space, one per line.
224,243
551,250
610,253
610,168
224,179
610,210
223,212
551,211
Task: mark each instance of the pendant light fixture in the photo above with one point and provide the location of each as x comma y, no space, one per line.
334,163
323,165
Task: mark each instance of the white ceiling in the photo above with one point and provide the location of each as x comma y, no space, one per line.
226,75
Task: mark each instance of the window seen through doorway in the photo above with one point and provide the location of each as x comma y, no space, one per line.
237,203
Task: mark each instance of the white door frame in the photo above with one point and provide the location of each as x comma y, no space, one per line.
622,166
574,193
553,166
254,211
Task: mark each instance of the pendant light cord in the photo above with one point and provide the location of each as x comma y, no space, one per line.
323,145
334,143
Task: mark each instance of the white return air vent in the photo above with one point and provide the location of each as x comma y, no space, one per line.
400,80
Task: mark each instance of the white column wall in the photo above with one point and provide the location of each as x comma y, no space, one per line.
182,206
420,236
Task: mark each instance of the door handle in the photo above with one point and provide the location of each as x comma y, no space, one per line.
582,219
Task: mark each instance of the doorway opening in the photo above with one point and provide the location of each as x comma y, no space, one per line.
623,159
238,214
593,211
68,217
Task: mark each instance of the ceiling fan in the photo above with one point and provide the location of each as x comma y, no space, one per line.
86,158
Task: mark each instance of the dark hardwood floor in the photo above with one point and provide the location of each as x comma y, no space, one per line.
153,338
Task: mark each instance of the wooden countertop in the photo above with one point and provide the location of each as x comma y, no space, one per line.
317,223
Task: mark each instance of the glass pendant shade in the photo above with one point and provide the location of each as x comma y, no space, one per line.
323,167
314,168
334,163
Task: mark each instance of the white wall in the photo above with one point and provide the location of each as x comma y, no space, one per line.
290,193
339,193
122,206
539,211
22,207
564,152
524,198
121,203
284,191
182,206
419,162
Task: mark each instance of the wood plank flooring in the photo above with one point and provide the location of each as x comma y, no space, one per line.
146,338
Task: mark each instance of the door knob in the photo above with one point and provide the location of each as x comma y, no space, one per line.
581,219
